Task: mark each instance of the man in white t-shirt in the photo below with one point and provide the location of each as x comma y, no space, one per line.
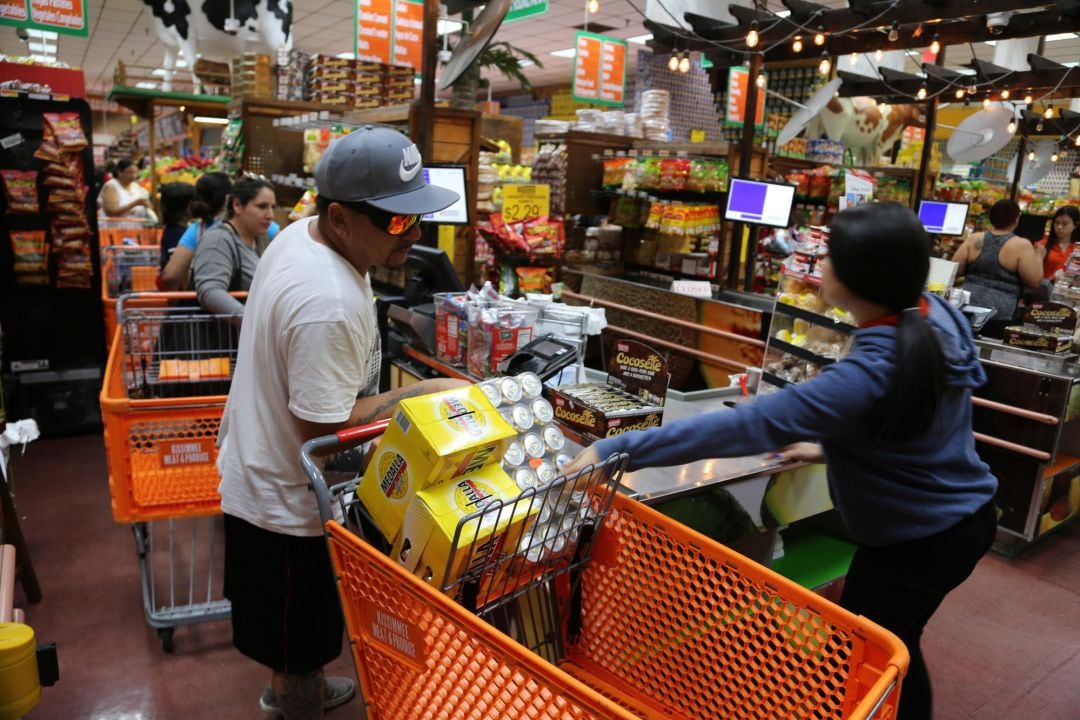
308,365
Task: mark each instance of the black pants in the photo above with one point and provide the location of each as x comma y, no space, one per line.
900,586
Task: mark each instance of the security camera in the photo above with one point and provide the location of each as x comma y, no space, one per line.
997,22
22,34
232,26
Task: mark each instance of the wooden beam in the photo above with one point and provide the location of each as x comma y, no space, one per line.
928,141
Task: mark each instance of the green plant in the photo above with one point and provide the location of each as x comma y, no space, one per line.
501,56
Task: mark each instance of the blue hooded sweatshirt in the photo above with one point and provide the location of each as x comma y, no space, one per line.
885,495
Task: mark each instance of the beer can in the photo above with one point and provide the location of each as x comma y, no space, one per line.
553,438
514,455
531,545
510,390
492,392
555,545
542,411
545,473
525,478
531,385
523,417
533,444
563,459
507,415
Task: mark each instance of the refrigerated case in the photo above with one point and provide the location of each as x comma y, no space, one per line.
1027,424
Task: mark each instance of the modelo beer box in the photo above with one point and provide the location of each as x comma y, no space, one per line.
431,439
1048,327
426,545
631,399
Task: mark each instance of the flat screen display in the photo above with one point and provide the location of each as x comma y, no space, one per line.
1032,227
943,218
451,177
761,203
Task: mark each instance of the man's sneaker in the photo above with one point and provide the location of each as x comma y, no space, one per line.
336,691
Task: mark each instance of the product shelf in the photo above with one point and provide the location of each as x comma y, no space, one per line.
814,318
800,352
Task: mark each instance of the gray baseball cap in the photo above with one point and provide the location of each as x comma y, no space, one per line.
381,167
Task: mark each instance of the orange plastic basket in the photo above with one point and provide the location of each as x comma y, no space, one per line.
127,268
161,452
674,625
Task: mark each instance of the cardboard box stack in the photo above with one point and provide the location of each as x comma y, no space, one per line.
330,80
398,84
292,68
367,85
253,76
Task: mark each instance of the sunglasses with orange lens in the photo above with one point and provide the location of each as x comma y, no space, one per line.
390,223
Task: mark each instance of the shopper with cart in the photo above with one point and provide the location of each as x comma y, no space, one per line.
893,422
308,364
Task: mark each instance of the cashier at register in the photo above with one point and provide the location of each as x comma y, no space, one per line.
893,419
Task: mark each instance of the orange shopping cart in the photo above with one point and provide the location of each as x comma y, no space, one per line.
127,269
166,382
619,613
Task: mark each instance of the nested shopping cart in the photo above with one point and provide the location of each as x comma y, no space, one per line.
166,382
636,616
127,231
128,269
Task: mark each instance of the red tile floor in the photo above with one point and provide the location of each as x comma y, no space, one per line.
1005,645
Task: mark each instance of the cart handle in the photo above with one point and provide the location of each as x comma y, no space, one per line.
316,480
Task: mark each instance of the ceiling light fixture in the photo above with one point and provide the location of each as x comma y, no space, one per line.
673,62
894,32
1028,99
564,53
752,36
819,39
1078,140
684,64
986,102
878,54
1054,156
593,6
1031,156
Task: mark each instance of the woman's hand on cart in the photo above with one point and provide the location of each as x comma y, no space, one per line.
588,456
802,452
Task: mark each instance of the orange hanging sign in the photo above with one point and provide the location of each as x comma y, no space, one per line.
408,33
738,86
374,30
599,69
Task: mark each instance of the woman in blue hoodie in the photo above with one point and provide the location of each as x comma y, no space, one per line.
893,421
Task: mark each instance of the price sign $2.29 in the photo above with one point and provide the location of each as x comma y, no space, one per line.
526,202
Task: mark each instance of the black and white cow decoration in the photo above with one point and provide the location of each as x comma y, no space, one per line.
219,30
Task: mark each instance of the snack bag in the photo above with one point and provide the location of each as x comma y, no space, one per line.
20,189
67,130
533,279
31,257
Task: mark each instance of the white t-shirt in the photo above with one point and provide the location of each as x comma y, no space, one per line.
308,347
125,195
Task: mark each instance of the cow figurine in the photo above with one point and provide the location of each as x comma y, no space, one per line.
219,30
865,127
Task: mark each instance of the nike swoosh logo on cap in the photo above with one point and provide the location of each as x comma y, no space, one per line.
410,163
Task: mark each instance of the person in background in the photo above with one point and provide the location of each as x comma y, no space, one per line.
212,189
122,196
997,265
176,199
1054,252
227,254
892,420
308,364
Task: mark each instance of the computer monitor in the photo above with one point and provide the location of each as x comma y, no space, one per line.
428,270
943,218
761,203
451,177
1032,227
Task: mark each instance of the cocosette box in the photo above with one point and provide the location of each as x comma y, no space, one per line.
426,546
431,439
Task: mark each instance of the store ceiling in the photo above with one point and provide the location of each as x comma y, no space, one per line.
122,30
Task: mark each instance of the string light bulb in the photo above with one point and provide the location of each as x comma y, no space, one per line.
922,92
684,64
673,62
986,102
935,46
971,89
819,39
853,58
960,92
1078,141
1031,156
1049,113
894,32
752,36
593,6
879,54
760,80
825,65
1039,126
1028,99
1011,127
1054,156
796,44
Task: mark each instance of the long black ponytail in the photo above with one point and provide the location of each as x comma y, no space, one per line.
881,253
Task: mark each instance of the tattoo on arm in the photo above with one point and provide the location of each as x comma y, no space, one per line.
385,406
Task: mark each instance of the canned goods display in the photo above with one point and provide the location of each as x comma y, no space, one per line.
525,478
492,392
553,438
533,444
510,390
523,417
545,473
542,411
514,455
531,384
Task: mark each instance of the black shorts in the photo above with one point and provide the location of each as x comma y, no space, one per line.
285,609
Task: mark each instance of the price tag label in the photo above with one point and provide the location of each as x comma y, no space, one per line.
525,202
697,136
693,288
